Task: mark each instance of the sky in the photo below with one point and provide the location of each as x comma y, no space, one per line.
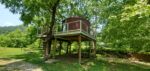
7,18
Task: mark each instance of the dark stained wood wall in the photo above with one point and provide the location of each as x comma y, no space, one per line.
74,23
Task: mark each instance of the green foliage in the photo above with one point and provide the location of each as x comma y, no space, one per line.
19,37
39,13
127,25
35,45
13,39
31,34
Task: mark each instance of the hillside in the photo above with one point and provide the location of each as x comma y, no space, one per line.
7,29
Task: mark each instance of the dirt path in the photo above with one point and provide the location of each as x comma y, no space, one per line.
17,65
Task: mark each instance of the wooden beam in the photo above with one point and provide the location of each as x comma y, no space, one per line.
79,49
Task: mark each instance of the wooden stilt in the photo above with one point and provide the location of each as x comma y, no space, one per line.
70,48
67,48
79,50
54,48
90,49
94,48
60,47
45,46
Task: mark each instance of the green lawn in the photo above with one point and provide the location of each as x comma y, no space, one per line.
8,52
90,65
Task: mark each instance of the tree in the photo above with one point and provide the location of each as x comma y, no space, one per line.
36,12
43,13
15,38
127,24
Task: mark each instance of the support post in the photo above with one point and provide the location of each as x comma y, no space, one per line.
45,46
90,49
54,48
60,47
79,49
67,27
80,26
70,48
94,48
67,48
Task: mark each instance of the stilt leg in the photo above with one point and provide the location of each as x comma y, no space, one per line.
45,46
54,48
94,48
90,49
79,50
60,47
70,48
67,48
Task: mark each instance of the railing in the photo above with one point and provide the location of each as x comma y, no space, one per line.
77,26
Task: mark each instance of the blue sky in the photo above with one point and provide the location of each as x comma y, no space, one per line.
7,18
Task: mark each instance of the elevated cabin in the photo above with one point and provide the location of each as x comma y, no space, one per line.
76,29
73,27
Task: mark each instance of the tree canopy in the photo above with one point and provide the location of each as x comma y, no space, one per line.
127,24
120,23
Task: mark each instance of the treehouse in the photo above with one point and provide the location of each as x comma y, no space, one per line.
73,27
76,29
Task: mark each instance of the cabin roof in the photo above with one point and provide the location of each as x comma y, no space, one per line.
77,17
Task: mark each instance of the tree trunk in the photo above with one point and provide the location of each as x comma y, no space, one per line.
49,46
49,37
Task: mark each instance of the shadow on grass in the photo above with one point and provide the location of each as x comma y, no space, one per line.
19,66
110,66
98,65
36,58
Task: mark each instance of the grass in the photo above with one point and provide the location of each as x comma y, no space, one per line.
90,65
6,52
101,65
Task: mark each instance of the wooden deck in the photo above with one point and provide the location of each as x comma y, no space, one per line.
68,34
71,35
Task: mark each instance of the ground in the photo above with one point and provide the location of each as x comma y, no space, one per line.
17,65
16,59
